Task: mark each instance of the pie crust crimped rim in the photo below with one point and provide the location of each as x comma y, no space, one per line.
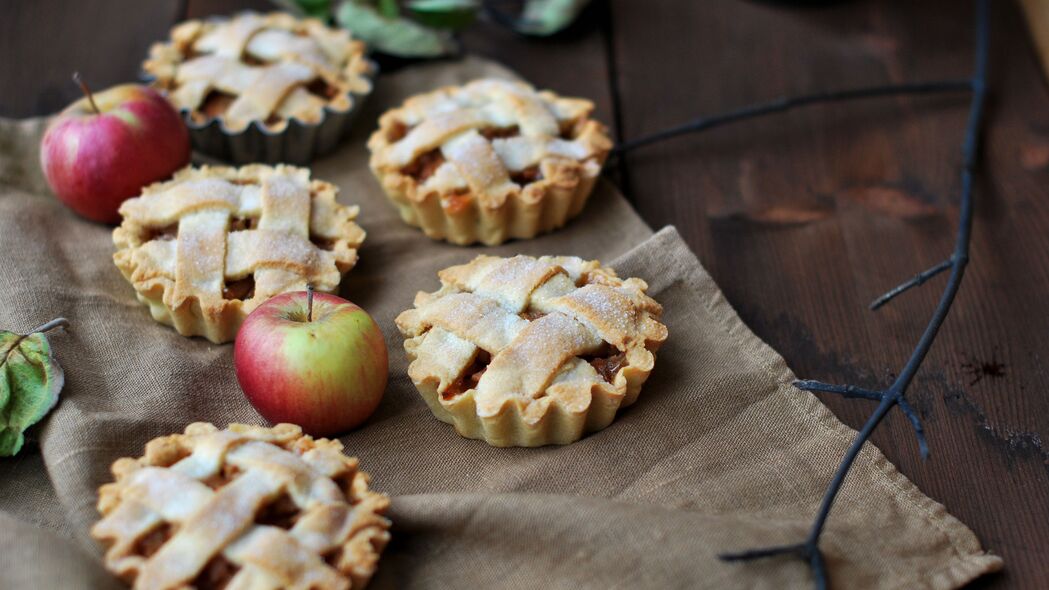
466,215
218,319
601,303
275,506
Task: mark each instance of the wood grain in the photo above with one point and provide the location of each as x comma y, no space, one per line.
802,218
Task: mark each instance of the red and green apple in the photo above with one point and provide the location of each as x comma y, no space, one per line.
321,365
105,147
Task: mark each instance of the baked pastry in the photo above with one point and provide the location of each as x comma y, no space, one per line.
245,507
207,247
488,161
267,69
529,351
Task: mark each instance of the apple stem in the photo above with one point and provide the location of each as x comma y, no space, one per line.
86,91
55,323
309,302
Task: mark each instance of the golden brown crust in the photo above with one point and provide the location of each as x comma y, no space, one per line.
207,247
488,161
531,351
261,507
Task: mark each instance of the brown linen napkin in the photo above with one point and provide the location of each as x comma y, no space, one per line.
720,452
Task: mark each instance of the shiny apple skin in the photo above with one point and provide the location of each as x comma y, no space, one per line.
327,375
94,161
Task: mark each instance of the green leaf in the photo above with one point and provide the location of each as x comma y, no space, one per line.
389,8
315,8
320,9
395,36
444,14
546,17
30,379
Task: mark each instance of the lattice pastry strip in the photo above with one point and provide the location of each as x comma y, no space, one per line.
206,248
245,507
526,351
489,160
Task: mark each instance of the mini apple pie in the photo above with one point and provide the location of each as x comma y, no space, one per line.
245,507
265,68
209,246
262,88
489,161
529,351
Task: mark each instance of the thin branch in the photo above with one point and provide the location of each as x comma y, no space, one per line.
916,280
796,549
916,423
894,395
843,390
782,104
851,391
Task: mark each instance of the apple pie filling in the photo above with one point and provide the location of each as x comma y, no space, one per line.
215,104
216,575
608,366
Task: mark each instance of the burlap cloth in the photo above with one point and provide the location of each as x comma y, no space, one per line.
720,452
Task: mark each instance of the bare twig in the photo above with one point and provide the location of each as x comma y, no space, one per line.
782,104
894,394
914,281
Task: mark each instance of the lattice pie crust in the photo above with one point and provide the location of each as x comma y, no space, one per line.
259,68
488,161
209,246
526,352
242,508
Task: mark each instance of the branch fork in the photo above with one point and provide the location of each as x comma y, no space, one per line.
890,396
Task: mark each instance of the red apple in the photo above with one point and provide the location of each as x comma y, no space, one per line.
105,147
325,370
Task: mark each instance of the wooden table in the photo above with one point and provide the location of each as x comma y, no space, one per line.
802,218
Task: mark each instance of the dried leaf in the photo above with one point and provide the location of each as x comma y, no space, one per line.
395,36
444,14
30,379
546,17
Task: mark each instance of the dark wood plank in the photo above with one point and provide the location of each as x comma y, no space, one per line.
804,218
44,41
